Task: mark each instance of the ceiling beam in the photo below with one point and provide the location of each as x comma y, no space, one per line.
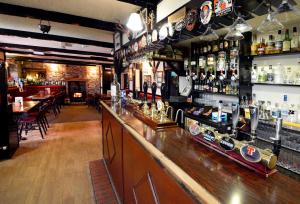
63,56
59,61
5,46
142,3
41,36
23,11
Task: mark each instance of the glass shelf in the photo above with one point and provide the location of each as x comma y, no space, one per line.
269,84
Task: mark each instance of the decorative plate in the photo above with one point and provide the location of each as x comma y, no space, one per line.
206,12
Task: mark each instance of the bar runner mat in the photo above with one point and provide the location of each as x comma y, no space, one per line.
103,190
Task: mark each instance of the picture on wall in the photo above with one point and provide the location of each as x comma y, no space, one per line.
117,41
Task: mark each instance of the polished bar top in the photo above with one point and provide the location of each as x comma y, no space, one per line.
223,179
27,106
39,97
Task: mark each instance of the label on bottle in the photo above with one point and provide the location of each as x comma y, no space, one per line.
278,45
261,50
113,90
286,46
295,43
227,143
270,77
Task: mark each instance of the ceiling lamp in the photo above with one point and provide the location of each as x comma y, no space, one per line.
209,34
286,11
234,34
241,25
270,24
135,22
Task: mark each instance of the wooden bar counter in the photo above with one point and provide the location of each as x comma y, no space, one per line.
167,166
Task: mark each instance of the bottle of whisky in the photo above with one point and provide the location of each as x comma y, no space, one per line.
254,74
278,43
295,41
254,45
115,89
270,75
261,48
270,45
286,42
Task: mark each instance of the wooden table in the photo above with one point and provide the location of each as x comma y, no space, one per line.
38,97
27,106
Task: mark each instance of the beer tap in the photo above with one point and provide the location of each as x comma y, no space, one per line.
277,138
254,112
163,92
168,108
153,89
235,118
145,88
181,118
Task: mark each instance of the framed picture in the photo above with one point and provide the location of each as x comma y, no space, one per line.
117,40
147,78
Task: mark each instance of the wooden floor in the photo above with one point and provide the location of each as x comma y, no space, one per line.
54,170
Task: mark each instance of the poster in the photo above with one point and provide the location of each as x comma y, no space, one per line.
222,7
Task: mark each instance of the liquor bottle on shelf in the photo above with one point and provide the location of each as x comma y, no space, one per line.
289,77
226,45
261,48
215,46
278,74
292,114
286,42
254,45
205,49
115,89
295,40
270,74
262,76
209,48
275,109
254,74
278,43
221,44
285,108
270,45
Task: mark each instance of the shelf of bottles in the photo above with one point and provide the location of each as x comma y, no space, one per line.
277,46
215,67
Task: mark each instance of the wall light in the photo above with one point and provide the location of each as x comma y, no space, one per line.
135,22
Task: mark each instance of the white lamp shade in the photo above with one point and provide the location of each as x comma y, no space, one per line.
135,22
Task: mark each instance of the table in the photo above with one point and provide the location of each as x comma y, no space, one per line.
38,97
27,106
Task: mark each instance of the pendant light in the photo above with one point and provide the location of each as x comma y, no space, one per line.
286,11
209,34
241,25
135,22
270,24
234,34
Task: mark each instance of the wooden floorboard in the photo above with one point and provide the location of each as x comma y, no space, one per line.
54,170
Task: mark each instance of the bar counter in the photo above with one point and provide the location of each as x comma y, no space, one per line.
202,174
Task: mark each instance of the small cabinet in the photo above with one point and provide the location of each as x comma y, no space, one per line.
144,180
112,141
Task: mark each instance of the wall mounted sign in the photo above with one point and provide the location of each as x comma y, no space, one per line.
206,12
227,143
209,136
222,7
250,153
191,20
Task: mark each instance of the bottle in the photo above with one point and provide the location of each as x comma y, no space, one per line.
115,89
221,44
215,47
286,42
275,111
270,45
261,48
270,75
254,74
292,114
289,77
278,43
285,108
295,40
278,74
254,45
262,76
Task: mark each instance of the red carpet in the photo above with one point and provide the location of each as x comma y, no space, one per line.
103,190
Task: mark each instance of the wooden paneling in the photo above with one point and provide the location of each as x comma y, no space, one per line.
112,150
144,180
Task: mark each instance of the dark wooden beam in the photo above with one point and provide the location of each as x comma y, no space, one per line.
58,38
5,46
23,11
30,59
143,3
64,56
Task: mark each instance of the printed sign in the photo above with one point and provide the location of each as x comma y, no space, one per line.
222,7
206,12
209,136
250,153
227,143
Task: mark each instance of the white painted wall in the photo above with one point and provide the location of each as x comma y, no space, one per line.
31,25
166,7
275,93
